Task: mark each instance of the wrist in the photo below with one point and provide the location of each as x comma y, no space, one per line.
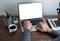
25,30
49,30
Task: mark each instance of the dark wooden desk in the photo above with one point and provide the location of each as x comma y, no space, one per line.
17,36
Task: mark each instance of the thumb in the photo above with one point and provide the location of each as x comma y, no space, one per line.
38,28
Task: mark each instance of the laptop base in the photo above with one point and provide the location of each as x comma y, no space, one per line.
34,26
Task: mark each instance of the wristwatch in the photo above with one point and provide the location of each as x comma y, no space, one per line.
27,30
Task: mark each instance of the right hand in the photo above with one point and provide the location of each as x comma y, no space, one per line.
43,27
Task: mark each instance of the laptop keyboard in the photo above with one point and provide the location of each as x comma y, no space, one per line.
35,21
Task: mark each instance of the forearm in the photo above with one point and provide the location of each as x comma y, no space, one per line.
26,36
55,33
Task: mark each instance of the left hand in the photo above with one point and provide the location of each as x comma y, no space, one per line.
27,25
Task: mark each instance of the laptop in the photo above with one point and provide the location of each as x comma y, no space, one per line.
32,12
53,23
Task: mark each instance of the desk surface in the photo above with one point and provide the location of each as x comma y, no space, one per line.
17,36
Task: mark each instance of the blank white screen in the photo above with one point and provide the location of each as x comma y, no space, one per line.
31,10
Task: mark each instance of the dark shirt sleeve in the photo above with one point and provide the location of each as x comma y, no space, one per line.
26,36
55,33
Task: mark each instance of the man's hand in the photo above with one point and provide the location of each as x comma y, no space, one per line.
43,27
27,25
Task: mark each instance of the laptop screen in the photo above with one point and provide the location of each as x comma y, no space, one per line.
30,10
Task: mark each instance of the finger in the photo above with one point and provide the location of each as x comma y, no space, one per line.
26,21
39,29
31,23
38,25
41,23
